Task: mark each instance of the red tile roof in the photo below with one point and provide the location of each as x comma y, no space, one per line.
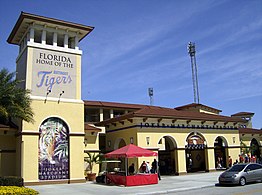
195,105
91,128
113,104
243,114
159,112
249,131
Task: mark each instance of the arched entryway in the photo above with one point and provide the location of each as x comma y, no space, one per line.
119,143
167,156
53,149
254,148
195,152
220,151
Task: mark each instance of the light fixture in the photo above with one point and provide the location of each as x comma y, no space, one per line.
131,140
147,140
60,96
47,93
109,143
234,139
85,141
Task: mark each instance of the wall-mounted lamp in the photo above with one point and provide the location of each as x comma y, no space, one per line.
85,141
109,143
47,93
234,139
147,140
60,96
131,140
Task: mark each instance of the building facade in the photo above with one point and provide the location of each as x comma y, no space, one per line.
188,138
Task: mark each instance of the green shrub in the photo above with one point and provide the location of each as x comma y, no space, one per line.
14,190
11,181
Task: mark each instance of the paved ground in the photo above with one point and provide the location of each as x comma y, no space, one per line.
168,184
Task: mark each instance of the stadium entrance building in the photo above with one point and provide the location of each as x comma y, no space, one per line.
189,138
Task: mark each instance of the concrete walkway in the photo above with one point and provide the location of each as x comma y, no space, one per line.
166,185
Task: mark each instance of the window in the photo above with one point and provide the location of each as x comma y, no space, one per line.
49,38
92,115
106,114
71,42
118,113
37,36
254,167
60,40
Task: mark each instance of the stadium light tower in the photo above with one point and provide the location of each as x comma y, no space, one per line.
192,52
150,93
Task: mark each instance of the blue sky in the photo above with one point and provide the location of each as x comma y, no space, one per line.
137,44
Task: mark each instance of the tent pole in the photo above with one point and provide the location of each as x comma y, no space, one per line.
126,165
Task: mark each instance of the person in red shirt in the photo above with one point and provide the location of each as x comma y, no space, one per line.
241,159
143,167
230,161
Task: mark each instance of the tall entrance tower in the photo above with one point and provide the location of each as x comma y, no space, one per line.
49,64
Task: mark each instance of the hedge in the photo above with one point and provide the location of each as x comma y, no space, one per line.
11,181
14,190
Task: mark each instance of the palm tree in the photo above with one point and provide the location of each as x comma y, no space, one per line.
14,101
92,159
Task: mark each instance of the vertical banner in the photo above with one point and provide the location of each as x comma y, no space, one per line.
53,150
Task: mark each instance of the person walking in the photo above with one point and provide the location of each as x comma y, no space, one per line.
155,168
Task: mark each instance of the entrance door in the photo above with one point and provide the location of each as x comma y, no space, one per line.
220,153
195,153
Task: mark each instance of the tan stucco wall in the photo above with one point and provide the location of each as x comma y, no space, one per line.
29,161
76,158
7,155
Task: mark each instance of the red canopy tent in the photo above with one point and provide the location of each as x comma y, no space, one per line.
131,151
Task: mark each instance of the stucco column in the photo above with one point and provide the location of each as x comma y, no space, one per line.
101,114
44,37
111,113
66,40
32,35
55,39
181,161
76,42
211,162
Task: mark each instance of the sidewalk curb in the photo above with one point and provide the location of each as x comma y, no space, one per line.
176,190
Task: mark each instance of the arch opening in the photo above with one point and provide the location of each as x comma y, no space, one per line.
53,147
168,156
254,148
195,152
220,151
